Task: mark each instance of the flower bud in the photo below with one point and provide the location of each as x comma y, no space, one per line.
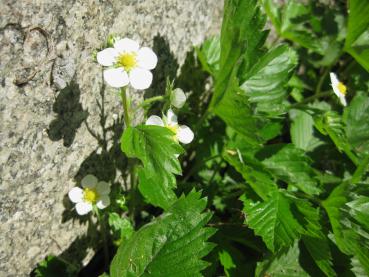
178,98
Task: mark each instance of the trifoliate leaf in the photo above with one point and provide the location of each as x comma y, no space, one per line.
157,150
171,246
273,221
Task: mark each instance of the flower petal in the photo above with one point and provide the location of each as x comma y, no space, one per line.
140,78
171,118
334,79
343,100
178,98
146,58
126,45
155,120
89,181
83,208
103,202
116,77
103,188
185,134
76,195
107,56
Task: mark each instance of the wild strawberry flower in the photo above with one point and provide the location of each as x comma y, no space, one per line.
178,98
182,133
129,64
93,193
339,88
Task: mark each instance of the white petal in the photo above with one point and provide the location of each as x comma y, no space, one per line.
343,100
185,134
107,56
171,118
140,78
76,195
89,181
178,98
116,77
103,202
146,58
126,45
334,79
155,120
103,188
83,208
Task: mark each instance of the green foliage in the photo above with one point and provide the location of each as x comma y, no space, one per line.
120,226
282,264
273,221
52,266
157,150
357,40
171,245
357,124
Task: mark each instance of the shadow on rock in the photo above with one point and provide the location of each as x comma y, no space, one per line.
70,115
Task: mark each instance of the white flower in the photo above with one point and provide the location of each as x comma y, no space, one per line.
182,133
93,192
178,98
129,64
339,88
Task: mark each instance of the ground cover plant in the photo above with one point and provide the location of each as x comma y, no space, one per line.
264,170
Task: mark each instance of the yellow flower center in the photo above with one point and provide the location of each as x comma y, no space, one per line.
127,60
90,195
342,88
174,129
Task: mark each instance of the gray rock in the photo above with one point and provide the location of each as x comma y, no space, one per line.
49,86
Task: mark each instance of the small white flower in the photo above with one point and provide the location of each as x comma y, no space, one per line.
129,64
339,88
93,192
182,133
178,98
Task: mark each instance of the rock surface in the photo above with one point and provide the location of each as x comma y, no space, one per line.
49,89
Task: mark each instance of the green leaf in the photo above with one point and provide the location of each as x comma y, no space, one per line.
273,221
292,166
242,35
357,40
157,150
172,245
331,124
254,174
226,261
358,20
357,125
51,266
314,239
120,225
263,83
209,55
302,131
350,237
282,264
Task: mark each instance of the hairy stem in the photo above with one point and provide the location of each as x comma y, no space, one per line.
123,95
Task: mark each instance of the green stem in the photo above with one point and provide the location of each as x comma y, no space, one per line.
101,220
321,80
151,100
311,98
123,95
360,170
